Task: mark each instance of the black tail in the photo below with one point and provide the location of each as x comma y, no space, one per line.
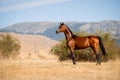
102,46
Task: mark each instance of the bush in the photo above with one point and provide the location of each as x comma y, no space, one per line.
9,46
87,54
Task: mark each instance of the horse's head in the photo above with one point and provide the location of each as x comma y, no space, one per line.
62,28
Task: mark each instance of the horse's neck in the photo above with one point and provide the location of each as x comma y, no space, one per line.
68,35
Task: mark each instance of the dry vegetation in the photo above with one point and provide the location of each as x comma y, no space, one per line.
54,70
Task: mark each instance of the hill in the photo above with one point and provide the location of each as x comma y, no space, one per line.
34,46
48,28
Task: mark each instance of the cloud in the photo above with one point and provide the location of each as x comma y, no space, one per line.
30,4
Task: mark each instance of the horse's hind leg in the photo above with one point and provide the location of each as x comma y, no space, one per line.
97,55
98,59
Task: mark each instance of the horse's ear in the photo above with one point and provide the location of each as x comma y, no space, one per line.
61,23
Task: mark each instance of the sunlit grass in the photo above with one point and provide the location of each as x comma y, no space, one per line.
53,70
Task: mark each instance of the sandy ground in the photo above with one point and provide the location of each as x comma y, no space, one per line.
55,70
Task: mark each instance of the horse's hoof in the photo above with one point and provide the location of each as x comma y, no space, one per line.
98,63
74,63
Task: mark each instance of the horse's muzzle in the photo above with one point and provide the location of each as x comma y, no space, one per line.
57,31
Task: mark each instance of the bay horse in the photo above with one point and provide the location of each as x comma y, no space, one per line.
75,42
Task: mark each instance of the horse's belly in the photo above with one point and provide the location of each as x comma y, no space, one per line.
81,46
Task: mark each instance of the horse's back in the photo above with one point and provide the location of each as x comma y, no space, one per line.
93,39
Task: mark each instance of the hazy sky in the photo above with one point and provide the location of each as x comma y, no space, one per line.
15,11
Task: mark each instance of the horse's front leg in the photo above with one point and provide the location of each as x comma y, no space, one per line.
73,56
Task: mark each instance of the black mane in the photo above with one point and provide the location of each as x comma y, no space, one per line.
73,35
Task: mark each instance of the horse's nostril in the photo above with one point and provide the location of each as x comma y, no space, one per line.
56,32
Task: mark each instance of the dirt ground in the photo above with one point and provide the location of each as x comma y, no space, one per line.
55,70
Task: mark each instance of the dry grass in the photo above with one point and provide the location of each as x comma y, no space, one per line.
35,63
54,70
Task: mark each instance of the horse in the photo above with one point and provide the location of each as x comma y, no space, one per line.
75,42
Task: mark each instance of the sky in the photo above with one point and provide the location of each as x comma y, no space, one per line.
16,11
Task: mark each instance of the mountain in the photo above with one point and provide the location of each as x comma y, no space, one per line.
48,28
28,27
39,28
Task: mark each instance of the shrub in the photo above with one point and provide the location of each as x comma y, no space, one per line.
9,46
87,54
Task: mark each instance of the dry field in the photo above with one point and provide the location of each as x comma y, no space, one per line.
55,70
35,63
